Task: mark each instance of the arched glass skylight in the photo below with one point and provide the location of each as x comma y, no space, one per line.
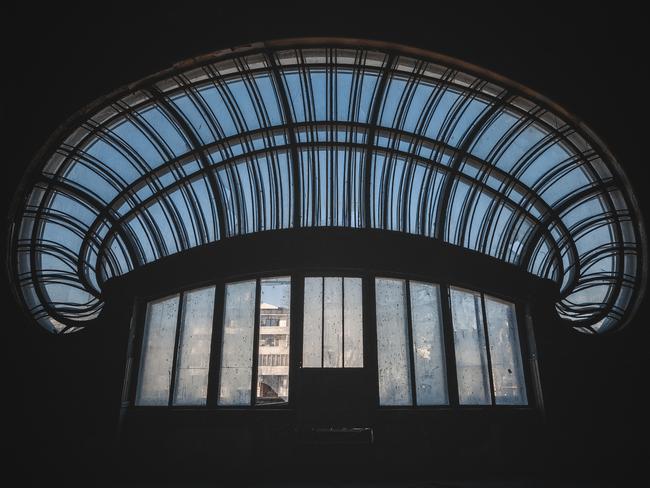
332,132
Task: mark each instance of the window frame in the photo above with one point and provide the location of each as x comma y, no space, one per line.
450,369
523,337
342,275
136,344
297,276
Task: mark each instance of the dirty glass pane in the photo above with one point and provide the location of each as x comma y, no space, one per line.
313,323
193,357
469,345
273,359
333,323
237,346
353,323
157,352
505,353
392,343
428,345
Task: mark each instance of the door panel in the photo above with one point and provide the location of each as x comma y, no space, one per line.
335,397
334,388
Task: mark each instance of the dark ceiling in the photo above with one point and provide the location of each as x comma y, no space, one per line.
56,61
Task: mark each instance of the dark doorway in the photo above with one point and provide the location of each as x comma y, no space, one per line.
335,382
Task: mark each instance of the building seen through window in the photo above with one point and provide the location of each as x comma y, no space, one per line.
275,323
412,363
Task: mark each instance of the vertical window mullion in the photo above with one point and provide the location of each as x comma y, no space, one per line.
179,324
134,352
370,353
450,352
215,346
528,345
409,325
343,322
322,331
487,350
128,386
296,338
256,343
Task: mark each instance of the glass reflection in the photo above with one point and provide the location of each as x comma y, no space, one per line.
274,341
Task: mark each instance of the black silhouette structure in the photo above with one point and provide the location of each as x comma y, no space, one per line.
416,168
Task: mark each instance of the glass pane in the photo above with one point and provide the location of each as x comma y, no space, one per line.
157,352
505,353
313,323
353,323
337,303
469,345
273,360
333,323
392,347
237,346
193,361
428,345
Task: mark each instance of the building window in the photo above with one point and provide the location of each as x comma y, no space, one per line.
271,297
237,344
486,343
505,353
333,323
428,344
273,360
193,356
410,346
157,352
176,351
253,360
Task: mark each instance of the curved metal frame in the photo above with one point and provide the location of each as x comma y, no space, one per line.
189,176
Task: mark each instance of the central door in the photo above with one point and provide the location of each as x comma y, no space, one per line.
335,387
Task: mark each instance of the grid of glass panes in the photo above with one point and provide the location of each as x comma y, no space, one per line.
333,323
256,341
410,343
176,349
488,355
410,346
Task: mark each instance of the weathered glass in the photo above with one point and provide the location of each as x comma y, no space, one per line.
193,355
469,345
157,357
237,345
392,343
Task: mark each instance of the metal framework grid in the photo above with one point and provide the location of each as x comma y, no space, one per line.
526,344
325,132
